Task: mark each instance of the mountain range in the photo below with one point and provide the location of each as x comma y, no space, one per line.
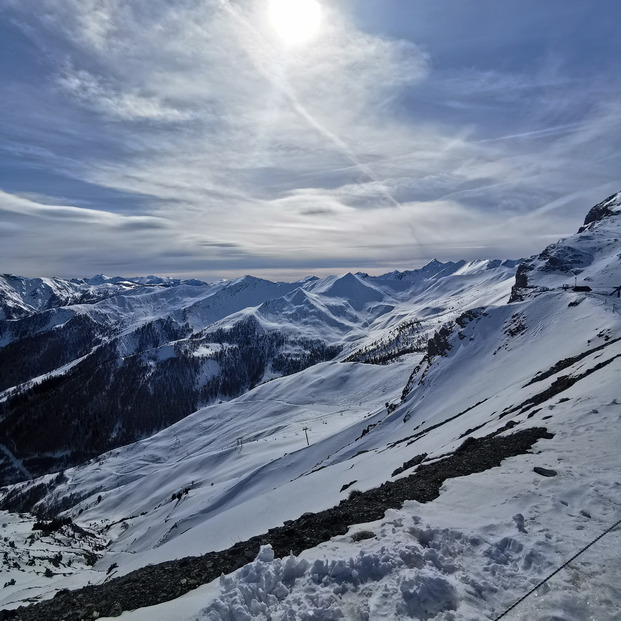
89,365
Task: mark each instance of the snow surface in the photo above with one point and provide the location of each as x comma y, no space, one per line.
588,258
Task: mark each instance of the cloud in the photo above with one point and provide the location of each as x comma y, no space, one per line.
129,106
75,215
183,134
66,236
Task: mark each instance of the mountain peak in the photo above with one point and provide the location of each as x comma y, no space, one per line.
608,207
98,279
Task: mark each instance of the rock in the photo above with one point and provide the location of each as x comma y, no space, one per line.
545,472
116,610
519,522
602,210
61,593
415,461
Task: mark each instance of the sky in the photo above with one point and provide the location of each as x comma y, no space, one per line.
201,138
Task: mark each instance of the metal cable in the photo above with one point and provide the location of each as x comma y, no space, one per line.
573,558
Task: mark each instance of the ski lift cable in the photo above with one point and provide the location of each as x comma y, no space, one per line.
573,558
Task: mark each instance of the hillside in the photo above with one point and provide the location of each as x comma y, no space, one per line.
92,365
461,376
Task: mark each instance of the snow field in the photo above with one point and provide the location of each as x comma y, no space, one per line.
490,537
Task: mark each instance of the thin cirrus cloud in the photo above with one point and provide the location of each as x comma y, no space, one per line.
182,137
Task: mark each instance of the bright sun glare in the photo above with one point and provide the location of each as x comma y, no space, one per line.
295,21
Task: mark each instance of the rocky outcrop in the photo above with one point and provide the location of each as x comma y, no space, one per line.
602,210
521,281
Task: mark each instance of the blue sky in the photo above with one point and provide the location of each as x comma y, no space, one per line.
183,137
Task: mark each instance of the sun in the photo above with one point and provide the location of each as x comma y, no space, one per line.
295,21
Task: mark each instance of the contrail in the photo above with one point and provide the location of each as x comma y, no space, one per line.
341,145
557,129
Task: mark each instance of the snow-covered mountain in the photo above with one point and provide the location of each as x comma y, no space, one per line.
22,297
460,372
94,364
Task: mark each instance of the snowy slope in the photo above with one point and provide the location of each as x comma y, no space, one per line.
491,537
551,359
